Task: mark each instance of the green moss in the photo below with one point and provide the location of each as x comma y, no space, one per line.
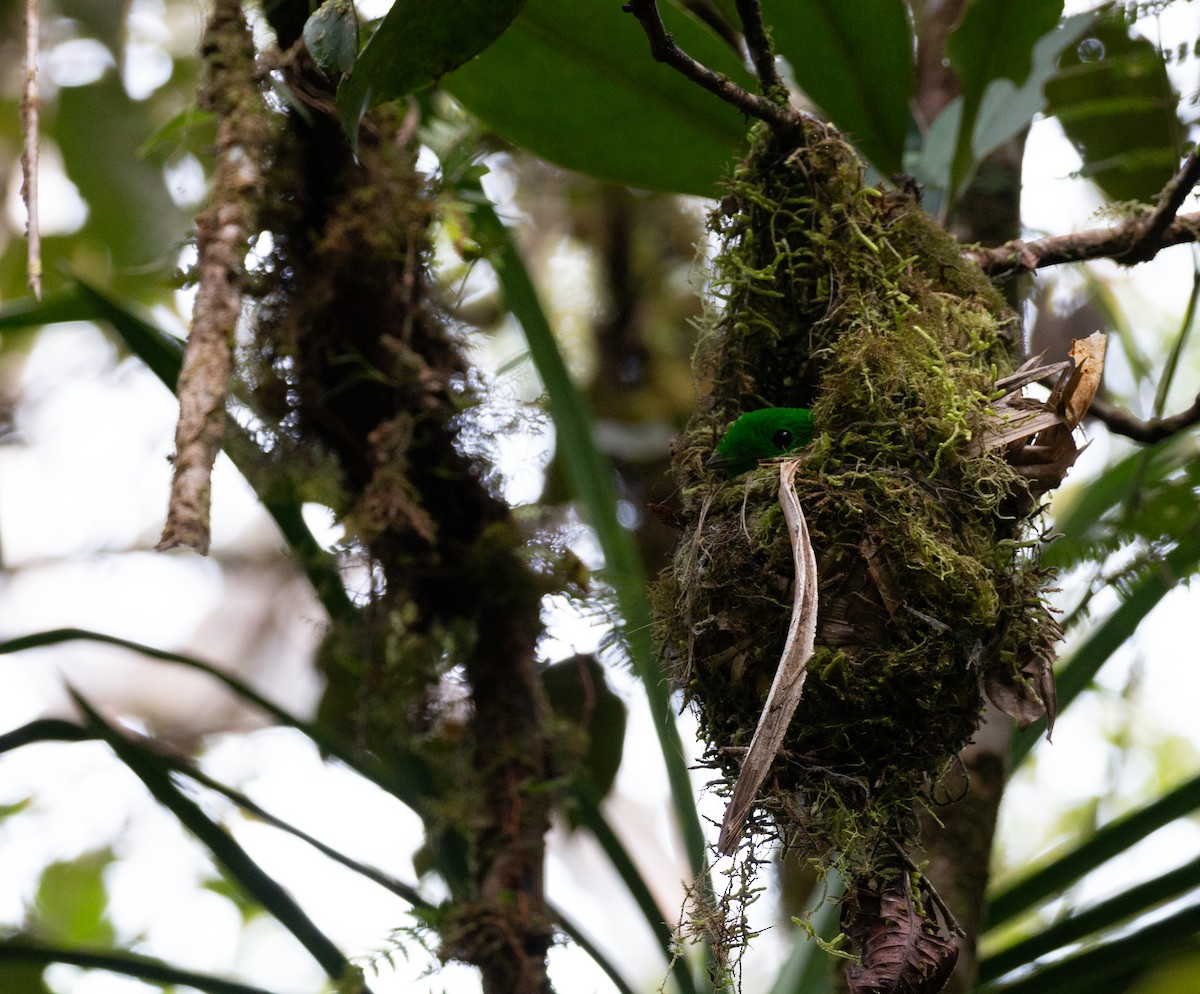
851,301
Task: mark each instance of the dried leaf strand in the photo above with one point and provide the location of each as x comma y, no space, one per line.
788,684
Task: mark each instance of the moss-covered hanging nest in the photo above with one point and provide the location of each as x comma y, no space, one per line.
850,301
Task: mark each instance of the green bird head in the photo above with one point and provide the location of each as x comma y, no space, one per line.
760,435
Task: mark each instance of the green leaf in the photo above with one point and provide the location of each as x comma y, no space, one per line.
1170,974
1106,966
416,43
406,775
71,905
577,691
1103,915
190,130
576,935
131,216
1158,576
1110,840
931,164
591,817
163,355
996,42
42,730
1116,103
402,890
575,83
154,771
50,728
855,60
591,480
15,950
807,968
331,37
1007,108
1150,494
22,978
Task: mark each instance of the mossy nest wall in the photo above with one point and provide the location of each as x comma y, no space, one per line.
849,300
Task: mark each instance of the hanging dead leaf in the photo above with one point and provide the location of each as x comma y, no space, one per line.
902,952
1017,697
788,683
1088,356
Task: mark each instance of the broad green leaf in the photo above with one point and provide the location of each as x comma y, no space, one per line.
190,130
931,164
1178,974
1007,107
1004,108
575,83
855,60
1116,103
995,41
22,978
416,43
131,219
577,691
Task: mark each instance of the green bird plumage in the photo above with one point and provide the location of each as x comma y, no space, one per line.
772,431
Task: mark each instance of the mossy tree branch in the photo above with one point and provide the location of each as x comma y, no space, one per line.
375,378
1115,242
1136,240
222,240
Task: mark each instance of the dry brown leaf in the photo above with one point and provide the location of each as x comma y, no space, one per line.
1015,696
1088,356
788,684
902,952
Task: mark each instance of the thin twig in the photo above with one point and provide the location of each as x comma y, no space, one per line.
951,922
761,52
29,153
1121,422
1081,246
1146,244
783,119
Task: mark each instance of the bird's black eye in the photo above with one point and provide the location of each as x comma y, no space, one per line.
782,439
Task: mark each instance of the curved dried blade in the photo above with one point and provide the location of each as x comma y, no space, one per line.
793,667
